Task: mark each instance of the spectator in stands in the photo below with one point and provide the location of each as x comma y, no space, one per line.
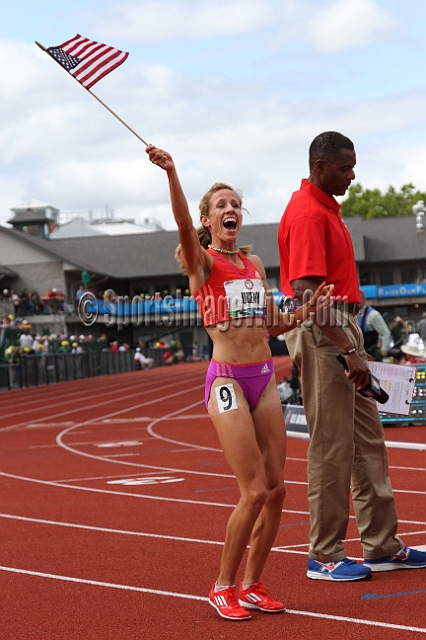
177,350
26,339
141,361
37,342
16,302
79,293
422,328
168,357
110,295
26,307
36,302
64,347
398,330
375,330
414,349
76,348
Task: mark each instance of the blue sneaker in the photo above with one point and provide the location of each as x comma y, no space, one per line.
341,571
405,559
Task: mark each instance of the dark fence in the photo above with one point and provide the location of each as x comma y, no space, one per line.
49,368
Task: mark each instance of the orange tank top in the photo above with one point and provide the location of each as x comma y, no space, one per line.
230,292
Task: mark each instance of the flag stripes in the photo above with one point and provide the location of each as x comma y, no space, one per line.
91,60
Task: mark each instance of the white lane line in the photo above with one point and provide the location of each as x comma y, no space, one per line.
124,493
108,530
391,444
187,596
106,391
105,478
134,495
172,416
105,402
110,585
279,549
372,623
63,485
197,416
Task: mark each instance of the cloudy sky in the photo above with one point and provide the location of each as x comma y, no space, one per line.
234,89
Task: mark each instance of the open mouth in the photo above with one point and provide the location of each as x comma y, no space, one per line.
230,223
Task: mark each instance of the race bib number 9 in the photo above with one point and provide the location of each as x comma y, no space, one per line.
226,398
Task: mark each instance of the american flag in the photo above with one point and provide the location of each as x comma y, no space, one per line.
86,60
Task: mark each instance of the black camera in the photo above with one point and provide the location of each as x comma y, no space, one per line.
373,389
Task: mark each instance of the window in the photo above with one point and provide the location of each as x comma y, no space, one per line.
408,274
386,276
368,277
272,284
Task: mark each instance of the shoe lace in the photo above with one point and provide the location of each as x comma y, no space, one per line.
231,597
262,590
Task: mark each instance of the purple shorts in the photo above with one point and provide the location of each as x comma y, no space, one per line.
252,378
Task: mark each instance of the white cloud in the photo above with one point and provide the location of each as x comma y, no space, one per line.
165,20
348,23
58,145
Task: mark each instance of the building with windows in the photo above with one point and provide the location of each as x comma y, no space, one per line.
390,255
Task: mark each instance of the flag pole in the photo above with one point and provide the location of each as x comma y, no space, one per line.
98,99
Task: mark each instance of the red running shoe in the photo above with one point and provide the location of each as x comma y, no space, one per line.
257,597
226,604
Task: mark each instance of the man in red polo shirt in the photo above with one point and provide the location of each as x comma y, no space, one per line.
347,450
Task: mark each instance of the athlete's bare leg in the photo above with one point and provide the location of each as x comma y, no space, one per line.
255,450
271,436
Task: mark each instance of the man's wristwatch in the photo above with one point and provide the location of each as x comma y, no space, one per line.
348,353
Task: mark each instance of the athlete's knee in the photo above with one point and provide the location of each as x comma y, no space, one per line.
277,494
254,499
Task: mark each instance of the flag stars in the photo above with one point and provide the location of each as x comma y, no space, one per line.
64,59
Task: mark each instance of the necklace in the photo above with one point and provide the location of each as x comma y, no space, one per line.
219,250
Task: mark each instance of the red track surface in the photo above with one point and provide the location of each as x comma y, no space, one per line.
114,499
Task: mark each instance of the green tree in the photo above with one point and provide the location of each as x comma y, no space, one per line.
372,203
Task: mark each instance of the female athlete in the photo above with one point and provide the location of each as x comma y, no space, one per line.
241,393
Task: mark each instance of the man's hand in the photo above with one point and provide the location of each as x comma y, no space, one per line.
358,371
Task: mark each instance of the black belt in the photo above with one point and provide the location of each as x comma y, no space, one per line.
350,307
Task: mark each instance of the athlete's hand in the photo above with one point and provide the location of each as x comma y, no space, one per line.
160,157
322,297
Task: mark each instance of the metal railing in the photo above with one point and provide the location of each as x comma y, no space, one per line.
49,368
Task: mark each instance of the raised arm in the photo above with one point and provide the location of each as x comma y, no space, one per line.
277,322
195,259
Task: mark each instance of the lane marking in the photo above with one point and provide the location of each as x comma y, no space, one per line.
115,476
58,485
86,527
187,596
375,596
391,444
63,485
106,402
197,416
48,425
372,623
121,455
173,414
277,549
123,443
154,480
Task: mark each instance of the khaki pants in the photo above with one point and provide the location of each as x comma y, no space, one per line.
347,451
